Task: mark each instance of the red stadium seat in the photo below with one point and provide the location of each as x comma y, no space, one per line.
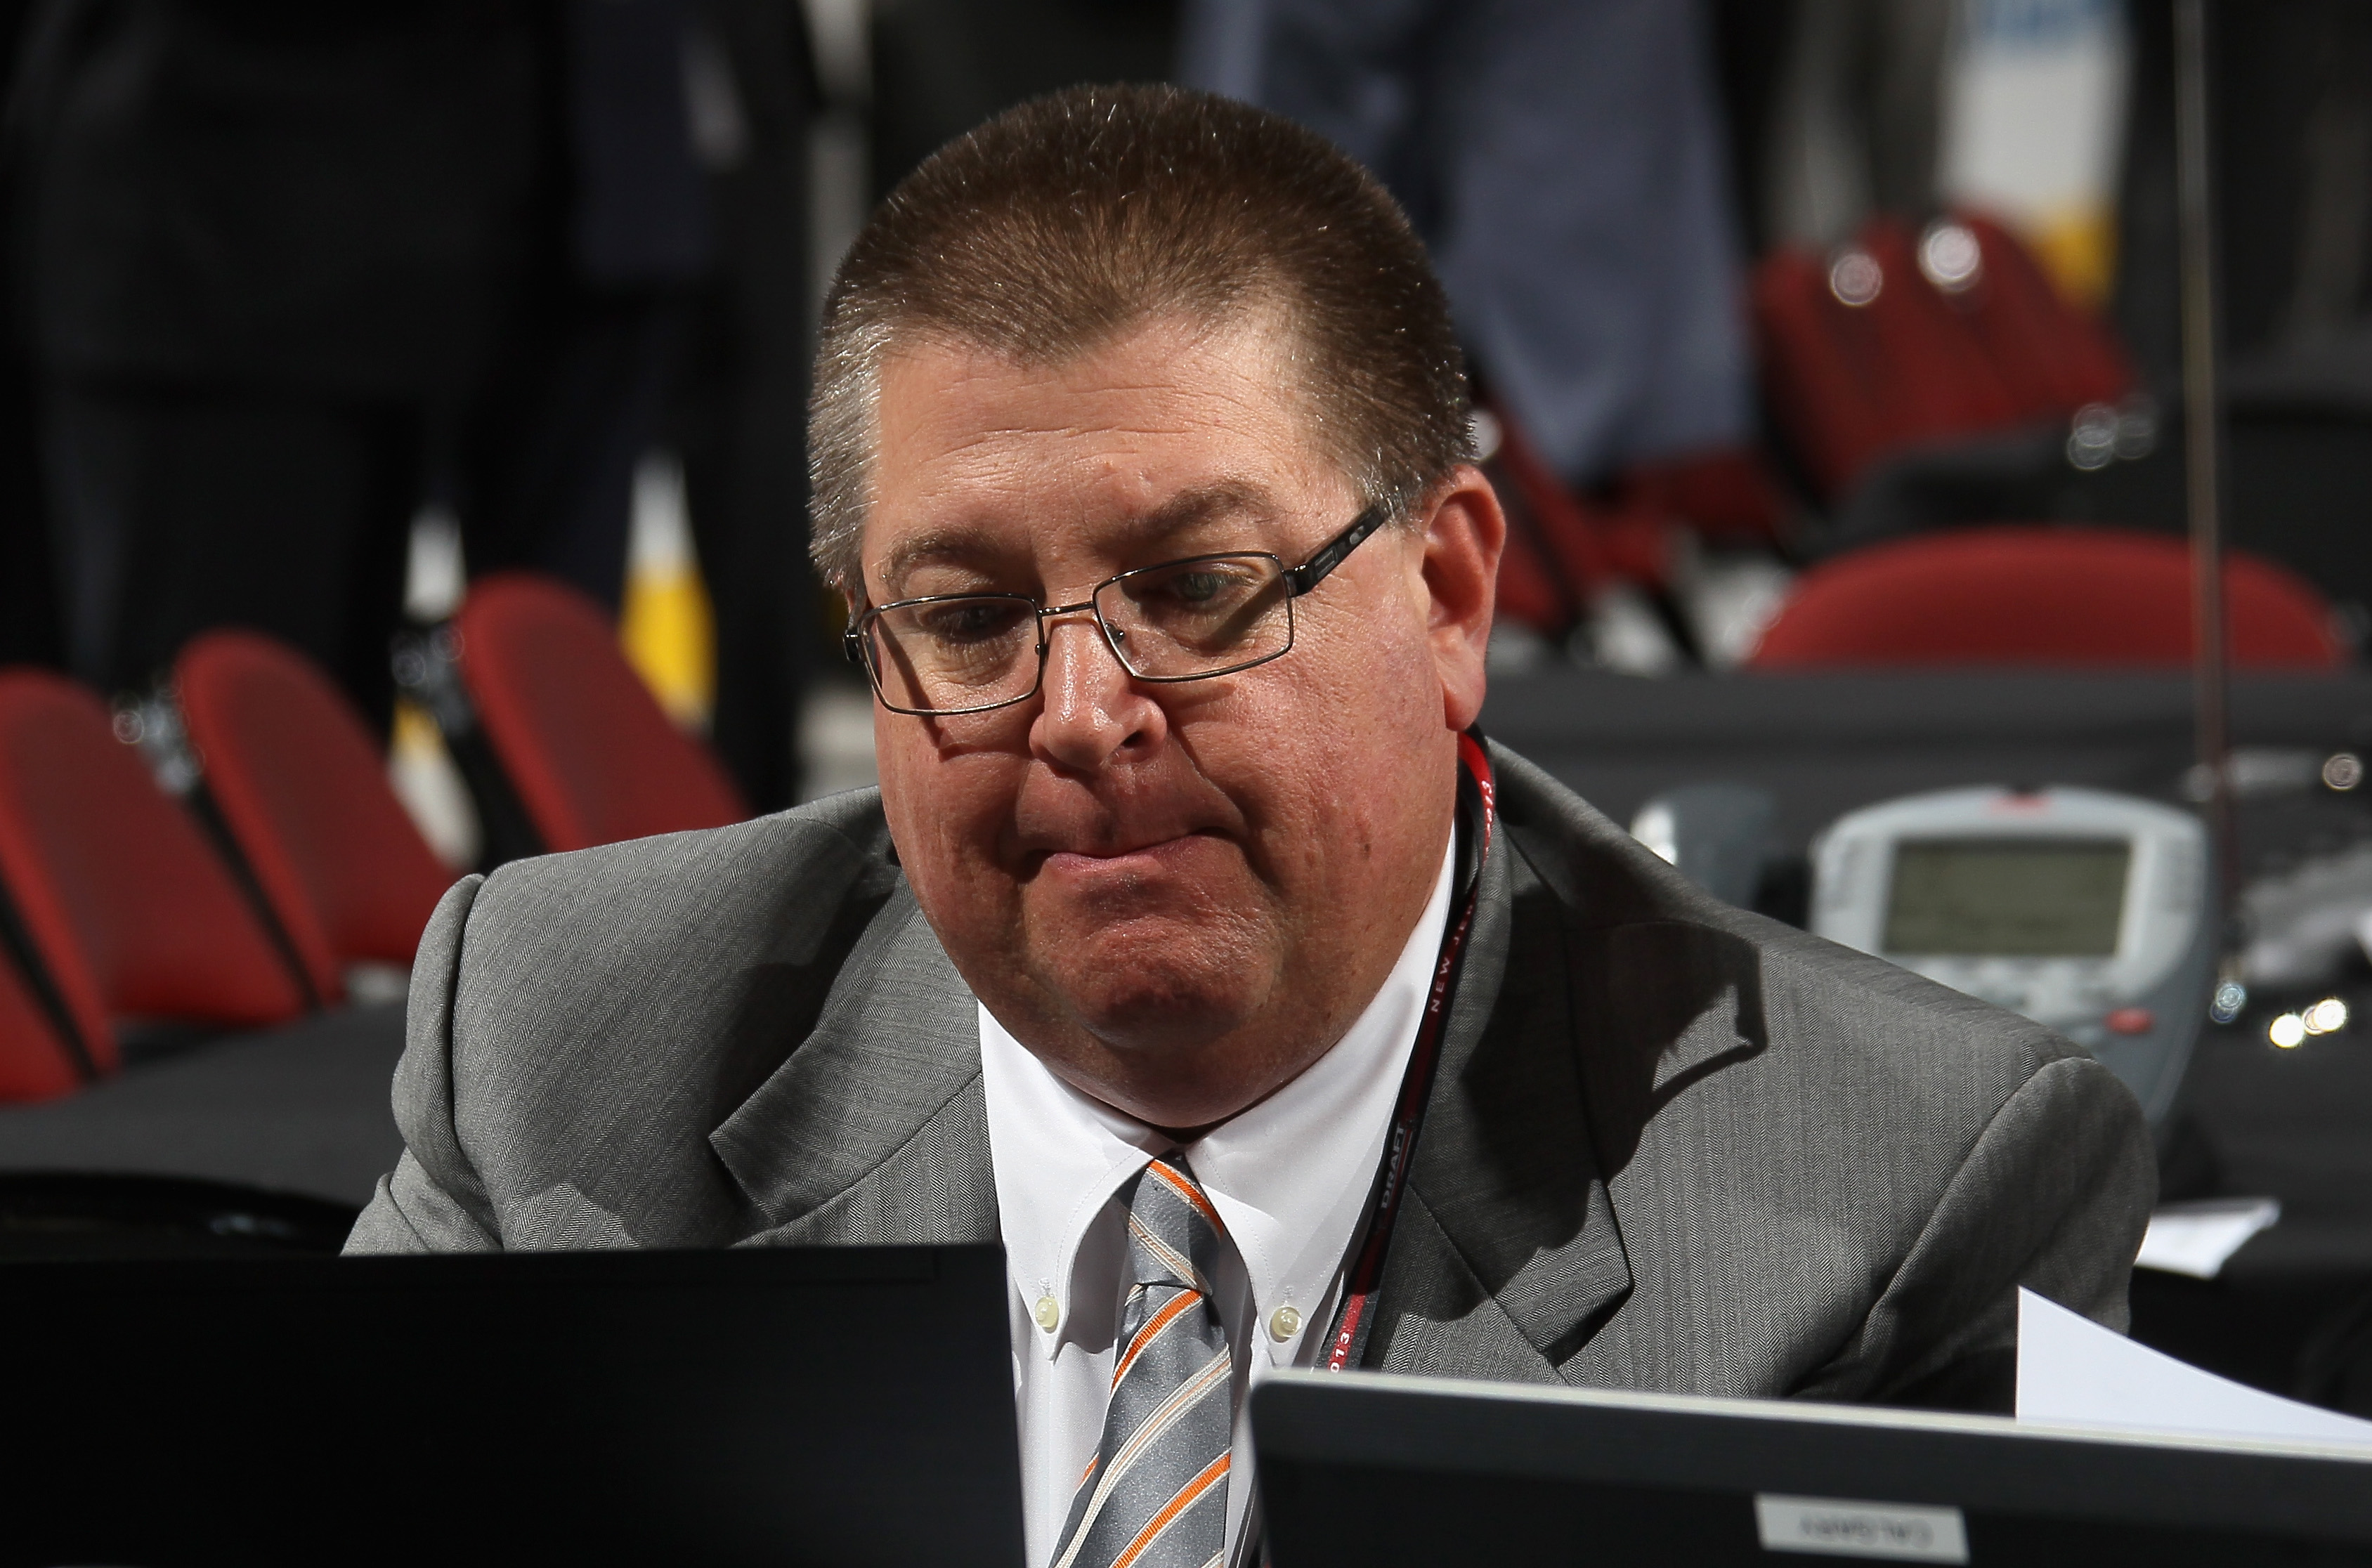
2038,596
591,755
1866,354
2053,356
128,910
34,1063
305,795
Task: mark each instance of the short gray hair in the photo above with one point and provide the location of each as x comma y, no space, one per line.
1060,225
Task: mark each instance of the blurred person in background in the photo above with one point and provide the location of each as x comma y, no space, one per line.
289,272
942,66
737,413
1565,162
262,251
30,633
619,232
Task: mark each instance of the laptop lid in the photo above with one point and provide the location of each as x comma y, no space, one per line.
1375,1470
764,1405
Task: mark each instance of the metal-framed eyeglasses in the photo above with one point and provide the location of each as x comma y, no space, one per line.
1186,619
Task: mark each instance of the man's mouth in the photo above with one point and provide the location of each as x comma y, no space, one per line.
1143,857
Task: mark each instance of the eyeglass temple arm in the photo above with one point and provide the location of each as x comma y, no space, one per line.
1312,572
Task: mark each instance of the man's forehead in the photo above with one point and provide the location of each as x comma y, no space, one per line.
1175,428
930,377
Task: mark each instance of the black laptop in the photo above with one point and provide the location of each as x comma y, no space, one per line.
1369,1471
763,1406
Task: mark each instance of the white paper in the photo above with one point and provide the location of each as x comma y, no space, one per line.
2072,1372
2199,1238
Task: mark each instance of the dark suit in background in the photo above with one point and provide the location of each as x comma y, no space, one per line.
738,416
291,270
1671,1145
265,245
620,229
942,66
30,632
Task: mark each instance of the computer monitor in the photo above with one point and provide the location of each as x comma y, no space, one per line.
777,1406
1370,1470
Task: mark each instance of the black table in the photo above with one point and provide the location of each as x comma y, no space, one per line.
300,1110
1825,743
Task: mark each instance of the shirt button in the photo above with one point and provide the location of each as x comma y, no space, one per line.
1284,1322
1049,1313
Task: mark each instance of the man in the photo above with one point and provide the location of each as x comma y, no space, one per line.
1139,453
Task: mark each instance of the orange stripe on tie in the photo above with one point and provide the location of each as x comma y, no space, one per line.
1212,1475
1189,1191
1152,1332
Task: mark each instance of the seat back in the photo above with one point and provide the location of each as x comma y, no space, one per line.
1866,352
128,910
2055,356
305,795
2020,595
34,1062
592,756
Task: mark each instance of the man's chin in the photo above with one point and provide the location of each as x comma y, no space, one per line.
1130,996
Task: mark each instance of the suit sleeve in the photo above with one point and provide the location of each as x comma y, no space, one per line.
432,1200
2055,1196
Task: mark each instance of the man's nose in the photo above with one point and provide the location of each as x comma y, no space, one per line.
1089,707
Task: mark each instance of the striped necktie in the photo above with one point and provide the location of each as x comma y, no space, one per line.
1156,1494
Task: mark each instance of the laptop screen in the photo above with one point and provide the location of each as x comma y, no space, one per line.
761,1406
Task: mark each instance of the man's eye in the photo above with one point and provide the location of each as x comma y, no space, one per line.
1197,588
970,621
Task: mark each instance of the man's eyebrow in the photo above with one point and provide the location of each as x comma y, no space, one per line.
1204,504
954,545
1187,509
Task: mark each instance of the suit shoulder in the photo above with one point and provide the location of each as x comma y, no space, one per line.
698,928
816,854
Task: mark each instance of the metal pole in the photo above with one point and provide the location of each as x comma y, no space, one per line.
2203,439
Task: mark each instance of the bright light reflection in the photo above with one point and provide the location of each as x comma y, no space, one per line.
2326,1017
2287,1031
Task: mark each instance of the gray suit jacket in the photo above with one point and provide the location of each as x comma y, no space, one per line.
1672,1145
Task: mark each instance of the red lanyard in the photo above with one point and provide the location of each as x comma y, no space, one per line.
1417,1085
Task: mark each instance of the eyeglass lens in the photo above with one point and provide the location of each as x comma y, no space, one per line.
1177,622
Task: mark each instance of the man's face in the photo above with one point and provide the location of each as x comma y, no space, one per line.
1177,896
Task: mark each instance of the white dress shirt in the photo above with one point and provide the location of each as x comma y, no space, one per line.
1290,1178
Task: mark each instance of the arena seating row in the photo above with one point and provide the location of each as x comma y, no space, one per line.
1902,340
1897,342
1918,382
2065,597
290,862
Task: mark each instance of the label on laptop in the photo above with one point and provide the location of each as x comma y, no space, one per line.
1836,1526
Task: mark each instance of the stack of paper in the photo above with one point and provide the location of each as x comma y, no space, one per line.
2072,1372
2199,1238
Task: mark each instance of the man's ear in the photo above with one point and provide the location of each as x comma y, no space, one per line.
1464,533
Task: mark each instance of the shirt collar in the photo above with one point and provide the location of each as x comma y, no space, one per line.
1289,1176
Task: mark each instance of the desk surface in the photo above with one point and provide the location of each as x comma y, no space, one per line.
299,1110
2295,1125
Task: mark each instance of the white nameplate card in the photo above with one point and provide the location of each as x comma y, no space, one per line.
1833,1527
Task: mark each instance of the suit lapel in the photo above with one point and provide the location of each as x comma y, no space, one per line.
874,1131
1507,1254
